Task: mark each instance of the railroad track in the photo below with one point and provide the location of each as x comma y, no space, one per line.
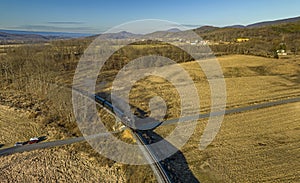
158,169
161,174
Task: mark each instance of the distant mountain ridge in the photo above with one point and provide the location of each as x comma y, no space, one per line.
21,38
267,23
119,35
273,22
46,34
16,36
38,36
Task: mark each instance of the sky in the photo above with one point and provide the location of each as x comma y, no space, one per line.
97,16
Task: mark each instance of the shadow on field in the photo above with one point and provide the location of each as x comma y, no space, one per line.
176,165
293,81
42,138
1,145
295,78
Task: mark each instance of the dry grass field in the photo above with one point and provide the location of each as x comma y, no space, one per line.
59,164
16,126
46,165
255,146
77,162
249,80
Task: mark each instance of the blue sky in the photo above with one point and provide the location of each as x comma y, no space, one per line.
98,16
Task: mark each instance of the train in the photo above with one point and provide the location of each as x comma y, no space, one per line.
127,121
118,112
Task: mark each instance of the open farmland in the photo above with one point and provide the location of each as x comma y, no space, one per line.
249,80
253,146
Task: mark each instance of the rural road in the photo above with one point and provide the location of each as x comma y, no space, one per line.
31,147
43,145
234,110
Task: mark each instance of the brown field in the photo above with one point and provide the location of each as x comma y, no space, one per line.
249,80
15,126
47,165
59,164
255,146
76,162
